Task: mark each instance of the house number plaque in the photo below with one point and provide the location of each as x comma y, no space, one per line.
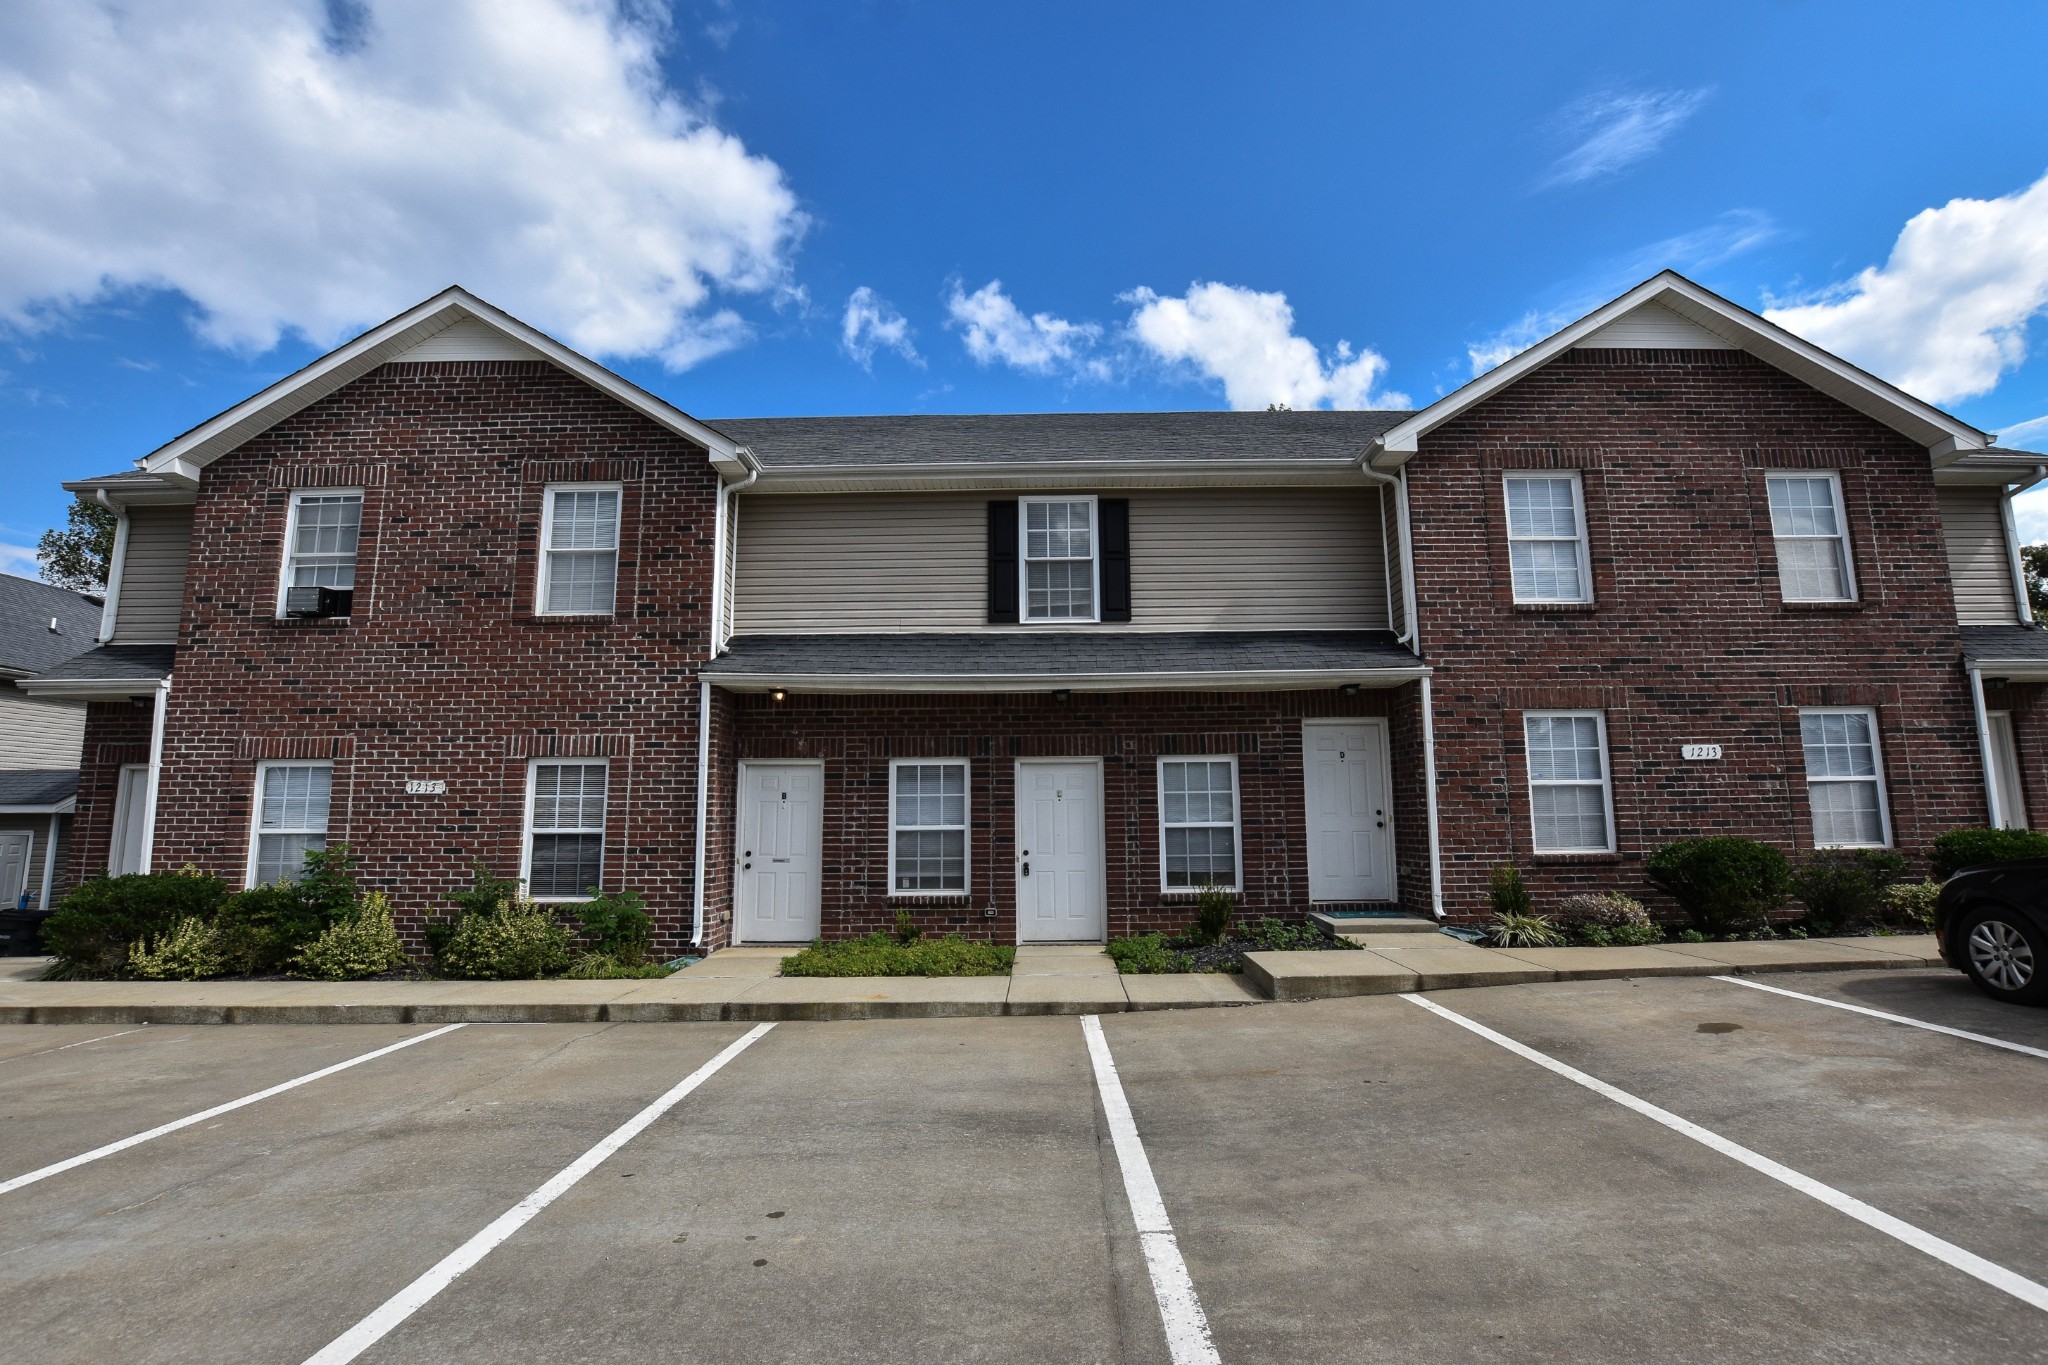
426,786
1701,753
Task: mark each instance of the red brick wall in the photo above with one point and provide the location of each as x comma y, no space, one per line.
116,732
1687,640
856,737
444,671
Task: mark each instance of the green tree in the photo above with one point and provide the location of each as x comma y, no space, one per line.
77,556
2034,559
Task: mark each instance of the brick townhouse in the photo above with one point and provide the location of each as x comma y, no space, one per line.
455,593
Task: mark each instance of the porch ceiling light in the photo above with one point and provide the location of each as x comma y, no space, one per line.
1061,693
775,694
1347,690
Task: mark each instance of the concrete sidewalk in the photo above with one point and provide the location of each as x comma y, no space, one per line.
743,984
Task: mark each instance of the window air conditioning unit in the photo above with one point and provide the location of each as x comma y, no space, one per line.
313,603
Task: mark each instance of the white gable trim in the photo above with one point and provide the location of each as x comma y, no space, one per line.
182,459
1945,437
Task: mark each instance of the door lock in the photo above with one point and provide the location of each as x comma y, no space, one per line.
1027,869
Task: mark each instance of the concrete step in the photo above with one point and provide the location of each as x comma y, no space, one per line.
1348,926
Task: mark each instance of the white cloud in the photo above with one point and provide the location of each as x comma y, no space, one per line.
872,324
2023,435
1616,129
19,560
996,329
1245,339
291,166
1946,315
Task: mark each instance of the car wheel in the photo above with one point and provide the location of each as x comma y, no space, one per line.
2006,955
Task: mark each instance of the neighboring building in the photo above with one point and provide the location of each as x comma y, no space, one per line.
40,738
455,593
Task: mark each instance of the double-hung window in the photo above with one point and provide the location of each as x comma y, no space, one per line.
579,537
1813,540
1570,808
292,802
1547,556
928,828
1198,823
320,541
565,829
1844,777
1060,582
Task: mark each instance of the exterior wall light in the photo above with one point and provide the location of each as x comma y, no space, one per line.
775,694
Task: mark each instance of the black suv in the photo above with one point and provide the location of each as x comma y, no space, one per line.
1992,924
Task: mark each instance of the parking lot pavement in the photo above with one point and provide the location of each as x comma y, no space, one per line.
1349,1180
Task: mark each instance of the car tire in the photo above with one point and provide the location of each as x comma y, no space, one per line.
2005,955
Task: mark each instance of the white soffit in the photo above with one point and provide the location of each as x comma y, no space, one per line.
1944,436
1653,327
453,310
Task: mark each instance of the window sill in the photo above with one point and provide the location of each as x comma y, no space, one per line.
564,618
928,898
1178,893
1544,608
311,622
1577,857
1822,606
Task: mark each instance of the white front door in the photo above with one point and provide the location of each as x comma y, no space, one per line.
1059,853
781,824
124,854
1350,813
14,851
2005,772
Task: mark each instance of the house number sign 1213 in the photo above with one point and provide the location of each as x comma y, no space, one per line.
426,786
1701,753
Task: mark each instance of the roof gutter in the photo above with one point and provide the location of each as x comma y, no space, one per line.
1270,680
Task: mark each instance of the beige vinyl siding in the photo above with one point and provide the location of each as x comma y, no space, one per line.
1654,327
153,576
1973,523
1201,559
729,570
37,733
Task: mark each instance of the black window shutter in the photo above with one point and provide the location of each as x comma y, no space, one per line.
1116,558
1002,563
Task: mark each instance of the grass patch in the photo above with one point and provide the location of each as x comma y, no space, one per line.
884,955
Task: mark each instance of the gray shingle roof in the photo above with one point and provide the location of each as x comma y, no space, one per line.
38,787
1060,654
27,644
2005,642
111,663
1056,437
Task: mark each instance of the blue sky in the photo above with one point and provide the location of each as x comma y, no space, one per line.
890,207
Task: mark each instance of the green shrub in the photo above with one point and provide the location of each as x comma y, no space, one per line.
617,926
93,927
1505,890
1961,848
188,952
882,955
262,929
1278,936
1601,909
362,943
1846,885
485,894
327,884
1213,908
1636,935
604,967
1148,955
1724,884
906,926
518,940
1910,904
1507,930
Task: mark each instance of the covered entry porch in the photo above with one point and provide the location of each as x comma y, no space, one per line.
1062,786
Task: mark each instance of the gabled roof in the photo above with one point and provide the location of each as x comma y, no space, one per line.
1943,435
27,644
182,459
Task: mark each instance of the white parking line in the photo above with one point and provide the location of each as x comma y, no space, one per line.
58,1168
80,1043
1180,1312
421,1291
1894,1018
1991,1273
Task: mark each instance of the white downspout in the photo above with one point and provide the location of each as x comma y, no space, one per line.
1408,571
2012,543
1984,746
49,865
156,767
1382,481
1436,857
116,562
718,625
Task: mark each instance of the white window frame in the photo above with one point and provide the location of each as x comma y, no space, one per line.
1884,802
291,535
533,768
256,830
547,535
966,827
1581,546
1024,560
1606,780
1236,821
1834,480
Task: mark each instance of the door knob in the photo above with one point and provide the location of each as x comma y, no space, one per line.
746,867
1381,823
1027,869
